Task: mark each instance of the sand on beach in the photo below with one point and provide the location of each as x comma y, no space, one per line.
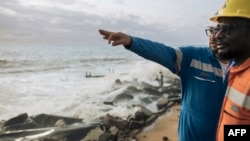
164,127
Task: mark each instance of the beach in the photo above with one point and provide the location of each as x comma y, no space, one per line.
165,126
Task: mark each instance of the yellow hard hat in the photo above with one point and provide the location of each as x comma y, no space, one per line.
233,8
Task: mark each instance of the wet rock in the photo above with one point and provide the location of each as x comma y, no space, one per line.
16,120
176,99
45,120
60,123
118,122
107,136
147,100
162,111
123,135
133,124
118,82
45,127
122,98
151,119
161,103
143,113
108,103
27,124
134,132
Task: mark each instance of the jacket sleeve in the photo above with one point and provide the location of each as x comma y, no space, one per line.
166,56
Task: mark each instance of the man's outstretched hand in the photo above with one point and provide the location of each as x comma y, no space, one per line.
116,38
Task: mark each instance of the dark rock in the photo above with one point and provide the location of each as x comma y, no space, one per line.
151,119
45,120
28,124
118,82
107,136
133,124
16,120
162,111
176,99
164,138
143,113
109,121
146,100
108,103
68,133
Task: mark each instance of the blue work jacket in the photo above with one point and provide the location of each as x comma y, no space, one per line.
202,85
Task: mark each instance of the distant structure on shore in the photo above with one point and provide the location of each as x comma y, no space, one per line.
89,74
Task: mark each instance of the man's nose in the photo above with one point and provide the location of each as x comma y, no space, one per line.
218,34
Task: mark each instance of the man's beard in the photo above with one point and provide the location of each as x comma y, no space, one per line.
225,55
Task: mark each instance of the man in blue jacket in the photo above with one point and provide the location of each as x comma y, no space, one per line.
202,78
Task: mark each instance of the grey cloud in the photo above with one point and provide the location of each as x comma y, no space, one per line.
55,25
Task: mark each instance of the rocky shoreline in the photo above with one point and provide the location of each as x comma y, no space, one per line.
57,128
141,126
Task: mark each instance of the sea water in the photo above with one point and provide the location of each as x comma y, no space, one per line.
52,80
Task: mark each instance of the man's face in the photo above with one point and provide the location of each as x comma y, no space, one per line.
212,40
211,31
232,38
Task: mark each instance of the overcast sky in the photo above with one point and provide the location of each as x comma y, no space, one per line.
76,22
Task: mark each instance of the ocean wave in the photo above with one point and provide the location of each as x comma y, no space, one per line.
93,60
30,70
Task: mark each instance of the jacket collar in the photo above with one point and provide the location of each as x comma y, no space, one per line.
243,66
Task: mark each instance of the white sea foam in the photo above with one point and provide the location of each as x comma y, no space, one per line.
52,80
